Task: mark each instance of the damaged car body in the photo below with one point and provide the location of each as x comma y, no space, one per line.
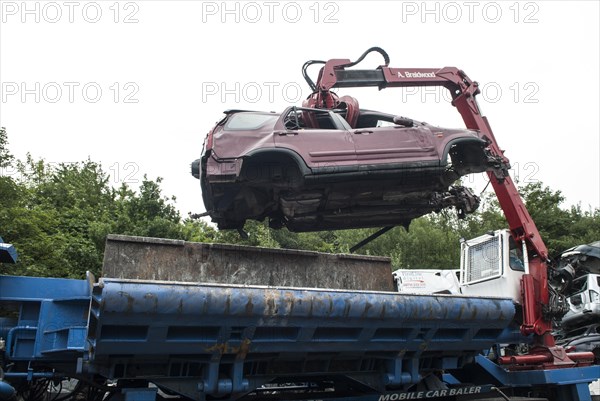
312,169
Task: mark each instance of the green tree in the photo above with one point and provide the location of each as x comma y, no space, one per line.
560,228
199,231
29,227
146,213
51,220
6,158
58,216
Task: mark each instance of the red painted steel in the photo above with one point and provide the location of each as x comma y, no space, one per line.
464,90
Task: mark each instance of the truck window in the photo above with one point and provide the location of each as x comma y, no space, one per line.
515,256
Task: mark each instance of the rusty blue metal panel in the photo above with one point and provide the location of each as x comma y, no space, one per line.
198,330
130,316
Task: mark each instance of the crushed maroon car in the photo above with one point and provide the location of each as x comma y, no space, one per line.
314,169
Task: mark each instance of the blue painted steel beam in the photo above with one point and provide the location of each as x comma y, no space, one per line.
18,288
52,317
134,317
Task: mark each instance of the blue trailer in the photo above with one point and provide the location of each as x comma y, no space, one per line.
141,339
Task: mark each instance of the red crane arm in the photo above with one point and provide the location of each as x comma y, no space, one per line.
535,290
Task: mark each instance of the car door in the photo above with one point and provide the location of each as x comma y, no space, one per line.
325,145
394,144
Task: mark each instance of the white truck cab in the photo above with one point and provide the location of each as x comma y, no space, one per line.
491,266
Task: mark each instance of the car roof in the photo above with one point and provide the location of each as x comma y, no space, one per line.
235,111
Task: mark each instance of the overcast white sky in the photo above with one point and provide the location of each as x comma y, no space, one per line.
136,85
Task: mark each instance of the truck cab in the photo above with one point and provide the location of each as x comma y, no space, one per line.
492,265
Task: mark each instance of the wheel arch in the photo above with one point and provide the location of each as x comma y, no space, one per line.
466,141
280,153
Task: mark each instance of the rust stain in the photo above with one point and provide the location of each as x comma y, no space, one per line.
228,304
289,302
150,295
368,306
271,298
130,301
271,310
243,349
220,348
346,307
207,301
249,307
382,314
501,316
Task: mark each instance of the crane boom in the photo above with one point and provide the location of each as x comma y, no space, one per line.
537,310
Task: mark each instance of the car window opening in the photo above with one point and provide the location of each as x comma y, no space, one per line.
248,121
579,285
307,119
